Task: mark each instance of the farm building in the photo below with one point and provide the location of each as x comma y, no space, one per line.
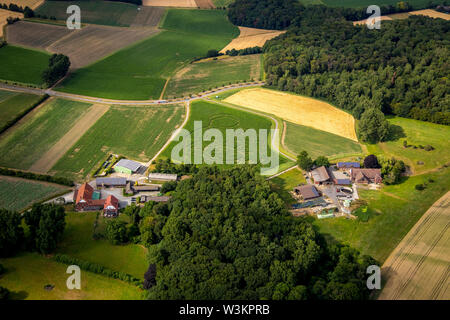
320,175
85,199
307,192
163,176
339,177
156,198
110,182
132,189
111,207
127,166
366,176
348,165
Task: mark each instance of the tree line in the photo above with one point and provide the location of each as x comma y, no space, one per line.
280,14
226,235
45,224
401,69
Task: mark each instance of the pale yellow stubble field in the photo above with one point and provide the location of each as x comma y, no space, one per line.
297,109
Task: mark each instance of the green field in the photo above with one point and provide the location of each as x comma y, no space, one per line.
96,12
214,116
14,104
222,3
26,143
208,74
317,142
417,4
77,242
22,65
17,194
140,71
28,273
417,133
397,209
286,182
135,132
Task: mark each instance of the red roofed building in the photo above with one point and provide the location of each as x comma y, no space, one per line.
111,207
84,202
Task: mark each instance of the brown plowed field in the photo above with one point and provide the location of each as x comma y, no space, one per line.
49,159
419,268
4,14
92,43
35,35
170,3
205,4
148,16
251,37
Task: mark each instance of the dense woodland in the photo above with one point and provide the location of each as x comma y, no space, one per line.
280,14
228,236
402,68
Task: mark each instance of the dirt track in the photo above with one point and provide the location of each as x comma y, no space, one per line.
419,268
49,159
251,37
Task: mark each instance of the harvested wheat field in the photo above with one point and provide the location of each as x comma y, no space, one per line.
431,13
205,4
297,109
148,17
361,22
33,4
170,3
35,35
419,267
5,14
49,158
92,43
405,15
251,37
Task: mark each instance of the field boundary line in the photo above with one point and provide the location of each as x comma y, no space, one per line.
173,136
79,128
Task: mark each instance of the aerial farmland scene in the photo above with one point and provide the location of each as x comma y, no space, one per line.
209,150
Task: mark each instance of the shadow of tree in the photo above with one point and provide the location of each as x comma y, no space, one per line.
19,295
395,133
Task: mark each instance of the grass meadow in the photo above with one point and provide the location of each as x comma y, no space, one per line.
140,71
22,65
204,75
96,12
214,116
78,242
13,104
317,142
28,273
286,182
25,143
417,133
395,210
222,3
135,132
17,194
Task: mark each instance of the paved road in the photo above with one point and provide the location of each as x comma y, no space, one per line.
82,98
